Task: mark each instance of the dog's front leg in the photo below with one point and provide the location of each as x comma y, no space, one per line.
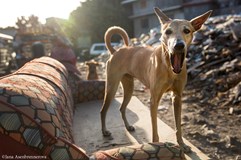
154,105
177,113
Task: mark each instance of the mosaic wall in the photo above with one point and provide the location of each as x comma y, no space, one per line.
37,109
91,90
150,151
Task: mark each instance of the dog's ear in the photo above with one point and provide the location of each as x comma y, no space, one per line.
161,16
197,22
87,63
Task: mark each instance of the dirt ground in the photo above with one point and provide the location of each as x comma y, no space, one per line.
211,127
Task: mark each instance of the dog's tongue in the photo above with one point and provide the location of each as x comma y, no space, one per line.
176,63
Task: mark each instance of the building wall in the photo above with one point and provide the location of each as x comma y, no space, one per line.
175,14
144,17
229,10
194,8
167,3
191,12
143,7
138,24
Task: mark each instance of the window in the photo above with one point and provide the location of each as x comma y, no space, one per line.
143,3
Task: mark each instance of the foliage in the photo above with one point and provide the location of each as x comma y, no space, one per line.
93,17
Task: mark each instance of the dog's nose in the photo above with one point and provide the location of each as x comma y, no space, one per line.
179,45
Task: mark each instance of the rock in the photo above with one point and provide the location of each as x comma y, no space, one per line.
237,91
200,120
233,143
231,110
163,108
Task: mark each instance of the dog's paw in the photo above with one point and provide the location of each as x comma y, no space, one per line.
130,128
106,133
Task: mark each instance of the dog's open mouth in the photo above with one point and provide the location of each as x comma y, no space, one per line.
177,61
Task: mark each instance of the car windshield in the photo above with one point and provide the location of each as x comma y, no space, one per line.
100,48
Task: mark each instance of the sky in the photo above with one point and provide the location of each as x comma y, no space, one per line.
12,9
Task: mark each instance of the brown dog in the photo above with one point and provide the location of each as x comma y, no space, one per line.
161,69
92,72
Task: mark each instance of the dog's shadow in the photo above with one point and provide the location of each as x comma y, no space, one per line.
116,125
140,134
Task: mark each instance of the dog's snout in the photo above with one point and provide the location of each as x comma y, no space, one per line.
179,45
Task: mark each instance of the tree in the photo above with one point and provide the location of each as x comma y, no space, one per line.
94,17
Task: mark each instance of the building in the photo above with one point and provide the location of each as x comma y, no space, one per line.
142,15
144,18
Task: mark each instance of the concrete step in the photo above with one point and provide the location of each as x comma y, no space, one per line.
88,135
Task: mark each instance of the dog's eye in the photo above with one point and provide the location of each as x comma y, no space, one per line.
186,31
168,32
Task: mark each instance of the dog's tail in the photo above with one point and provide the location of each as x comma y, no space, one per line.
115,30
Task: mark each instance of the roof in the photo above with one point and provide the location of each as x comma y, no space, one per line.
5,36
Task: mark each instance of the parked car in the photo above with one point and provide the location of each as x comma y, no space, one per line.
99,48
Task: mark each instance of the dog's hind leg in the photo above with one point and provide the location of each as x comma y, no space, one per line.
128,85
110,91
